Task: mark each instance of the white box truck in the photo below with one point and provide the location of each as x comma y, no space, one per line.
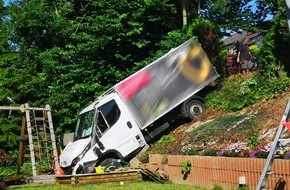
120,123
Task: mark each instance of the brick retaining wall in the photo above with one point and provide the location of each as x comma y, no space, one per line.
207,171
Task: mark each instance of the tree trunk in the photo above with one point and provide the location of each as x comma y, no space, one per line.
184,17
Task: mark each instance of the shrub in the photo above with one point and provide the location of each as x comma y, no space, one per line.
192,151
144,157
211,152
185,166
261,154
166,139
253,140
7,171
8,158
239,91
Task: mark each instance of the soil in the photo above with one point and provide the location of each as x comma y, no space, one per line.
267,113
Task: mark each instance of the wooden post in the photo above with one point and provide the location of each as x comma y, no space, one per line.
20,153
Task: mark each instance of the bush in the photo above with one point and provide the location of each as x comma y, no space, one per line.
8,158
166,139
239,91
7,171
192,151
144,157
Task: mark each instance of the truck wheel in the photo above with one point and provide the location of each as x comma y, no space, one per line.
193,108
111,164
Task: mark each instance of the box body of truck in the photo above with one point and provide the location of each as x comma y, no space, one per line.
115,126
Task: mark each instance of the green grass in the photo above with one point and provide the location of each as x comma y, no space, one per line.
113,186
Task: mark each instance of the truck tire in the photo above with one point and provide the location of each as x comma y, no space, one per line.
193,108
111,164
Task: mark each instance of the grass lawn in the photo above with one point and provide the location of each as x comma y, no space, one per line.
126,186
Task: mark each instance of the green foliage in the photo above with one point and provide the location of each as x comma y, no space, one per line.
144,157
166,139
230,153
129,185
275,51
208,35
185,166
253,140
227,127
256,50
8,171
192,151
261,154
224,123
216,187
46,164
8,160
9,131
210,152
69,53
4,157
238,92
231,15
246,86
26,170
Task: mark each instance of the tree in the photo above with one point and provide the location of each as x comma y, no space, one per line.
275,52
208,34
9,127
229,15
72,51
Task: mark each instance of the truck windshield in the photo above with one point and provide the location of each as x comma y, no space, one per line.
84,126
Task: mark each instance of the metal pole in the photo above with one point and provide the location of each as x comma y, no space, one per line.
288,12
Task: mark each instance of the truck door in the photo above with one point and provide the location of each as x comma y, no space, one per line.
116,128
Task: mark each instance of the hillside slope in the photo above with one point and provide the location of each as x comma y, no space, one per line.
252,128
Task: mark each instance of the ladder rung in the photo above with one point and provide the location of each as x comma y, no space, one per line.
36,147
24,138
39,128
284,140
35,137
269,173
39,118
27,164
26,155
37,155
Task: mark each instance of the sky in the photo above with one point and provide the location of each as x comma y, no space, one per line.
6,2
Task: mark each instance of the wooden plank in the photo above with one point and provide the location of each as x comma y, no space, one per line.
99,178
108,179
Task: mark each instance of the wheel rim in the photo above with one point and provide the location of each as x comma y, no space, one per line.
195,109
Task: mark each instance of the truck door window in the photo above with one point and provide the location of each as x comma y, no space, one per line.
102,123
108,115
111,112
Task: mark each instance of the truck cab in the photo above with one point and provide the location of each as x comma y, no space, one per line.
105,130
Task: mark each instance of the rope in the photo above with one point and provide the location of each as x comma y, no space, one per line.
37,135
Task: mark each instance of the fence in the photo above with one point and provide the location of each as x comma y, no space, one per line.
208,172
